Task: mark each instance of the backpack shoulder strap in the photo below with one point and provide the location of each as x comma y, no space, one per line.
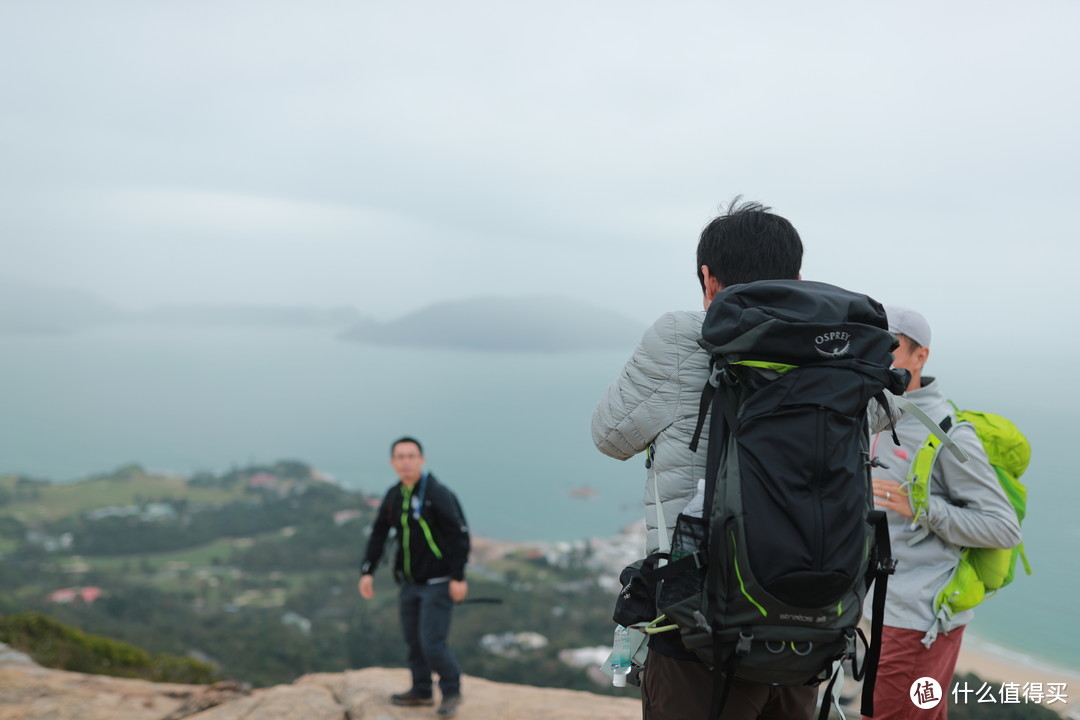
922,466
934,428
707,394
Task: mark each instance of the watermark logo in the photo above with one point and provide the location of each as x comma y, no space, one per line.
926,693
1012,693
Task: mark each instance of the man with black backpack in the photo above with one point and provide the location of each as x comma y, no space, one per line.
965,506
782,380
653,407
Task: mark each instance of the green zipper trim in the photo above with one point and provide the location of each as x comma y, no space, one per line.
738,574
782,368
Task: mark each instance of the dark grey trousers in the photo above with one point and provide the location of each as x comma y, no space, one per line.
425,621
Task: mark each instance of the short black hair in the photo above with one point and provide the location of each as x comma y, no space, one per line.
406,439
747,243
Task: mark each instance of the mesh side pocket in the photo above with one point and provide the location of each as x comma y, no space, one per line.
689,538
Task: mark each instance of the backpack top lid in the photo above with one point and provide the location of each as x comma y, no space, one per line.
797,322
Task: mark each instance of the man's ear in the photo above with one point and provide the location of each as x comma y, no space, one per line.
922,355
712,285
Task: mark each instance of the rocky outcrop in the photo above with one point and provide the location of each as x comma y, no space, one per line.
30,692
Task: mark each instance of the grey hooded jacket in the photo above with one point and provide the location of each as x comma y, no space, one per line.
967,509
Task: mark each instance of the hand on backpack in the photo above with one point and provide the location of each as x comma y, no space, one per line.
889,495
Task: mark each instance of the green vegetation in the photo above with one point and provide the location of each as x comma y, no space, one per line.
254,573
53,644
35,500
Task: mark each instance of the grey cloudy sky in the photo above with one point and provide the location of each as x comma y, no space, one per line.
390,155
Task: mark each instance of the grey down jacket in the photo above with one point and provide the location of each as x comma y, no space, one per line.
655,401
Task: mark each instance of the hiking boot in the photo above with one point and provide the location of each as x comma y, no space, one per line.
411,699
449,705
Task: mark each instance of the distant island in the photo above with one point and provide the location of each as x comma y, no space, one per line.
40,310
522,324
485,324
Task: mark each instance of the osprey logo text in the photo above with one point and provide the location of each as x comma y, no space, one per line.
833,345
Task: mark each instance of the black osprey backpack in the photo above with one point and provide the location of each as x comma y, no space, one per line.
769,584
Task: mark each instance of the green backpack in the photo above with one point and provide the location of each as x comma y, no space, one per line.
981,571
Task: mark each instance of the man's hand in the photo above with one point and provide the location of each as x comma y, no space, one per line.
367,587
458,590
889,495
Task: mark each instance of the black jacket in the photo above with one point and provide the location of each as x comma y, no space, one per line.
433,538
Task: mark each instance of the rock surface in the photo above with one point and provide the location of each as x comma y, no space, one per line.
30,692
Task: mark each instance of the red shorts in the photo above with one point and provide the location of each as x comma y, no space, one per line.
904,659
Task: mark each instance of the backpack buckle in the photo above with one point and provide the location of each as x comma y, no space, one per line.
745,639
849,644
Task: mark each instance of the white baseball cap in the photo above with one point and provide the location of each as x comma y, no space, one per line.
905,321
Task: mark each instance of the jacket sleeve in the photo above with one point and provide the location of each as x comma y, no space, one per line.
379,530
882,418
975,511
644,399
454,531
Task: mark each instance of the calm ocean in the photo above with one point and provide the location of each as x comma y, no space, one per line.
508,432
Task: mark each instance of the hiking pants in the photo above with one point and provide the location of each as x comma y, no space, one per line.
674,689
425,621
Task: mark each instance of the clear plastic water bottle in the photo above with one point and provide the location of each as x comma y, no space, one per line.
620,656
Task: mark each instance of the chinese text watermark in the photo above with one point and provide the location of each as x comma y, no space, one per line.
926,693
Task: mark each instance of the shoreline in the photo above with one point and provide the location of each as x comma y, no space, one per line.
991,661
997,665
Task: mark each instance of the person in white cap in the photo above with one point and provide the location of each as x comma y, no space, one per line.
967,509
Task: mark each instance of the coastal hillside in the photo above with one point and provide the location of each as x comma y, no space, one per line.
253,571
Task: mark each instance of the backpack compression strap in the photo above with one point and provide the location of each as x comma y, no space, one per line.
886,566
707,394
946,441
